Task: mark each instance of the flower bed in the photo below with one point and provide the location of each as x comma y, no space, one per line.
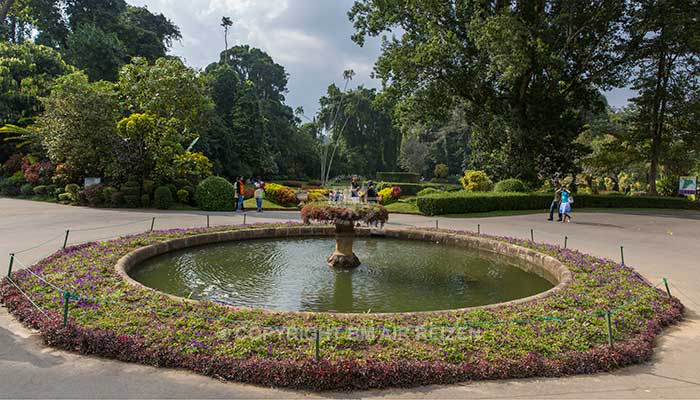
561,334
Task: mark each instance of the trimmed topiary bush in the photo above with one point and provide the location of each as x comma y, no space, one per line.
91,196
510,185
428,191
476,181
215,194
281,195
145,200
441,171
163,198
65,197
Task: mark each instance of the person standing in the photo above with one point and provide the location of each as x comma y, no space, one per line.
354,189
565,207
555,202
235,193
259,195
241,193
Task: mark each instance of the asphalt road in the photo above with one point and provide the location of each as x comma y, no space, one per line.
659,244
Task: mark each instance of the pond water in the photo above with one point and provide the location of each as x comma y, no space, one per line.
292,275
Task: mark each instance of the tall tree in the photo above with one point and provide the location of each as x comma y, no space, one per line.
226,23
525,72
665,48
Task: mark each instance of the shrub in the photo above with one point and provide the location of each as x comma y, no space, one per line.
148,186
281,195
248,193
107,193
73,189
38,172
91,196
476,181
473,202
13,164
163,198
132,201
40,190
510,185
131,194
215,194
428,191
51,190
145,200
412,189
173,190
192,194
182,183
27,189
296,184
403,177
370,214
65,197
63,175
117,199
390,195
183,196
441,171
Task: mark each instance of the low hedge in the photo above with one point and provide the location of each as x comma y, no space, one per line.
412,189
472,202
215,194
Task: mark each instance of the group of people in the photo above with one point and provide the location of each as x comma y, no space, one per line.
562,203
239,193
355,194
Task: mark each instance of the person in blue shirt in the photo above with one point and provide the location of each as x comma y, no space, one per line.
565,207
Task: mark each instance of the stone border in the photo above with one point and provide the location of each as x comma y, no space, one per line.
543,265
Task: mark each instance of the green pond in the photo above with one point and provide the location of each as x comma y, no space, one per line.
292,275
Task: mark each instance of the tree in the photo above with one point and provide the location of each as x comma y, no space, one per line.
98,53
665,49
251,142
78,125
226,23
413,155
525,73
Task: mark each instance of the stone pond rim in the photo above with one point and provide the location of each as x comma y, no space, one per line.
538,263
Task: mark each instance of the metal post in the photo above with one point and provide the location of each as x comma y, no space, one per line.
622,254
318,344
478,228
244,215
12,260
65,240
207,220
566,240
153,223
436,224
665,284
66,300
532,235
610,333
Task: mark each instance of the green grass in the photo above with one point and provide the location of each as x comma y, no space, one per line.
267,205
574,211
403,208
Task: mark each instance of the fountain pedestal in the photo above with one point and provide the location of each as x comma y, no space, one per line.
343,256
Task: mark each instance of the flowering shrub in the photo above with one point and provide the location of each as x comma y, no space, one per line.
389,195
37,173
13,164
476,181
370,214
111,318
281,195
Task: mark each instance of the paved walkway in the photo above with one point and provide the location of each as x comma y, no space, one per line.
658,244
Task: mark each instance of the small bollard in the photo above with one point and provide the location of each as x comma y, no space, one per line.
566,240
668,291
153,223
318,344
244,215
610,333
65,240
12,260
478,229
436,224
622,254
66,300
207,220
532,235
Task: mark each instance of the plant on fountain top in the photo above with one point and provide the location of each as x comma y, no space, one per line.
370,214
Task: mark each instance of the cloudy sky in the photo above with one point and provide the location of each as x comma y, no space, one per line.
310,38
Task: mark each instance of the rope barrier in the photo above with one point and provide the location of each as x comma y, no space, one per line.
40,244
27,297
111,226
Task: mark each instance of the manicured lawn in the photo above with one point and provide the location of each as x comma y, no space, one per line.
267,205
401,207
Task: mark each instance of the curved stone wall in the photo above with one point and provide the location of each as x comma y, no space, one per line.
543,265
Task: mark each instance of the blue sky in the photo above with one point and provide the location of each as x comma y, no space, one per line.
310,38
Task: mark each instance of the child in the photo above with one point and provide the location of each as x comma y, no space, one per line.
565,207
259,196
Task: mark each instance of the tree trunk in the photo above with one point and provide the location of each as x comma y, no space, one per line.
4,9
656,125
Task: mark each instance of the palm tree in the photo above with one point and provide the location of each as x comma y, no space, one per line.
226,22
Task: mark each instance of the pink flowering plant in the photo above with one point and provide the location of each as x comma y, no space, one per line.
369,214
561,334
